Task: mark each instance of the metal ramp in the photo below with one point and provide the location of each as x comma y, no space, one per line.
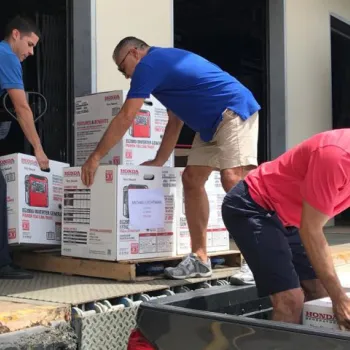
96,325
75,290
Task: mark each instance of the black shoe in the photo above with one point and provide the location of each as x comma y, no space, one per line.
11,272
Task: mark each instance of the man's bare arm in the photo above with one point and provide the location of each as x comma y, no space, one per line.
118,127
317,249
170,137
25,117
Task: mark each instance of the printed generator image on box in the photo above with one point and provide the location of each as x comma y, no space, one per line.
141,125
36,190
34,199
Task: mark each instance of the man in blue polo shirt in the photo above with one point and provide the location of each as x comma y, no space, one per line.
219,108
21,36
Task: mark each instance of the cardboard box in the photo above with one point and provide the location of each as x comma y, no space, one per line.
319,313
96,219
34,200
217,235
93,113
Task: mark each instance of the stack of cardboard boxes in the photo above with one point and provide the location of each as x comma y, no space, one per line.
95,222
56,208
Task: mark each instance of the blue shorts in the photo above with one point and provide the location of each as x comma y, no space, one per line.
273,252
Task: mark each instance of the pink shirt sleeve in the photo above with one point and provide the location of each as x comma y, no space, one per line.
325,178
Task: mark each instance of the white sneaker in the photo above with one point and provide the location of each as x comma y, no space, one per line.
243,276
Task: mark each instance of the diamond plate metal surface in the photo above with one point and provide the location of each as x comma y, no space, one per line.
106,331
76,290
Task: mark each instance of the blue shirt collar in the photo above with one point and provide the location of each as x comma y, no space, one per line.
6,45
152,48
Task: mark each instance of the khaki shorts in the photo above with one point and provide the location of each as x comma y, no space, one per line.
235,144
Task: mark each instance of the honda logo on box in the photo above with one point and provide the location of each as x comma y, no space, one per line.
112,97
7,161
129,171
320,316
71,173
29,161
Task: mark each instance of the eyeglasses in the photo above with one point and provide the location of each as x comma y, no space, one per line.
121,70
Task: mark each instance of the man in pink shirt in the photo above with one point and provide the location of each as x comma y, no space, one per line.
276,217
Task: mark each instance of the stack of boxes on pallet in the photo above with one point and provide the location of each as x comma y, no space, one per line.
54,207
96,221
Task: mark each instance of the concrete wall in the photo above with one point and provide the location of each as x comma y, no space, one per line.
150,20
308,65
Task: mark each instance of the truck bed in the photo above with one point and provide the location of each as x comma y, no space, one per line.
229,317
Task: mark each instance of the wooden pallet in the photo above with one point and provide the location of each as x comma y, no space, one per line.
127,271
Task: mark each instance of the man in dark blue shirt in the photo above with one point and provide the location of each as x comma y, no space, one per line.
21,36
217,106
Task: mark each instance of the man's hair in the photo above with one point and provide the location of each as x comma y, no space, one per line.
129,41
24,25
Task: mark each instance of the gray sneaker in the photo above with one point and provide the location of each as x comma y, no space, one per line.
244,276
189,267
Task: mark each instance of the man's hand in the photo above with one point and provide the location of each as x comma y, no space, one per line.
341,309
88,170
153,162
317,250
42,159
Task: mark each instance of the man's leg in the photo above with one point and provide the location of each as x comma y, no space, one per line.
229,178
7,271
262,240
312,287
201,162
197,207
238,143
288,305
233,149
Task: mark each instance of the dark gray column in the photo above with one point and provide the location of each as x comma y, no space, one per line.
277,78
84,47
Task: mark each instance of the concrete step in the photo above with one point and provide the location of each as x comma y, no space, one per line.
17,314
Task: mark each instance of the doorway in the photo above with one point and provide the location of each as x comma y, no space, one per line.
340,56
233,35
48,72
